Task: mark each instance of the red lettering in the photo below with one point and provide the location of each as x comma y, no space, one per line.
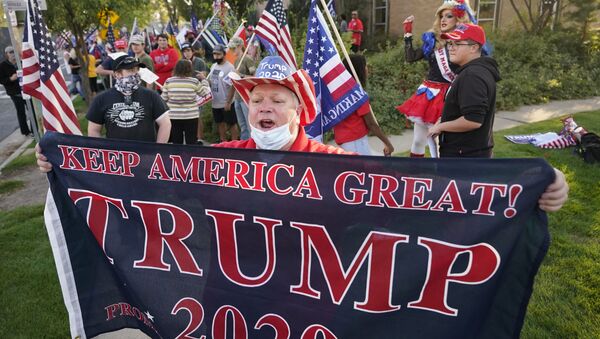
179,172
236,172
313,331
110,311
382,187
308,182
97,216
259,170
484,260
356,195
69,160
450,197
219,328
90,158
196,311
130,160
156,239
126,309
272,178
414,189
487,196
211,171
158,167
110,162
378,246
227,249
280,325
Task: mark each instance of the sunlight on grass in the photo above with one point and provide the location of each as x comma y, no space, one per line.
31,302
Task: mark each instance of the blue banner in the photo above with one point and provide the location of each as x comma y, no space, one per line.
197,241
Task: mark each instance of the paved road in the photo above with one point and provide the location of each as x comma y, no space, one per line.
8,116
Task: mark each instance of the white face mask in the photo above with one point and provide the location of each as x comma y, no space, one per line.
273,139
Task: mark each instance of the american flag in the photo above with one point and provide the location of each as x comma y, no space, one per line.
273,29
337,91
194,22
64,40
331,8
110,35
42,78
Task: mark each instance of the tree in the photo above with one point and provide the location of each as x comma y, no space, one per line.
584,13
80,16
535,16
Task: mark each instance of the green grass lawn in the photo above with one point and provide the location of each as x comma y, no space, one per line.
565,302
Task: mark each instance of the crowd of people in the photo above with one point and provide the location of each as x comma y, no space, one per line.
253,107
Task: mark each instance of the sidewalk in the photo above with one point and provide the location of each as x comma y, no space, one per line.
504,120
12,146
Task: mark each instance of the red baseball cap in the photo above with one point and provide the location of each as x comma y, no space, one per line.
121,44
466,32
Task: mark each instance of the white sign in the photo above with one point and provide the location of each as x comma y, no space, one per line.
147,75
21,5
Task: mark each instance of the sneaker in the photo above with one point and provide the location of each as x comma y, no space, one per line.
200,142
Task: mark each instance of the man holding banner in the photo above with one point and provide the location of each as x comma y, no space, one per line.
249,238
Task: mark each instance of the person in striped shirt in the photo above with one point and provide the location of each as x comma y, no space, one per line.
180,92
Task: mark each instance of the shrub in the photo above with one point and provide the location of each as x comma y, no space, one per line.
392,81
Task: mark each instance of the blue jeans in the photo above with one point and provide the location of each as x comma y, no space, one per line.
76,78
241,112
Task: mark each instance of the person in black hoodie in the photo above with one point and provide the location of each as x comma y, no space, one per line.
8,78
465,129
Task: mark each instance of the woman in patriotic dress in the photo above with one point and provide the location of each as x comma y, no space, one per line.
425,107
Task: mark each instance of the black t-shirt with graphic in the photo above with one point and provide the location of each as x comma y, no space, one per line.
132,121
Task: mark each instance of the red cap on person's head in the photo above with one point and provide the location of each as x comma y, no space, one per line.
466,32
121,44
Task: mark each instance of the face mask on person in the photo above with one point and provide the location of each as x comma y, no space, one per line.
128,84
218,60
273,139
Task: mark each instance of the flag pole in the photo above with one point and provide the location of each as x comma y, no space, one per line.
204,28
343,47
245,52
134,25
340,41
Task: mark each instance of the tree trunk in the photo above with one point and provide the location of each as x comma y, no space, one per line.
82,54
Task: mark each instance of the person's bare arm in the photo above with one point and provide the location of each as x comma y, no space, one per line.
94,129
164,129
459,125
229,98
374,128
100,70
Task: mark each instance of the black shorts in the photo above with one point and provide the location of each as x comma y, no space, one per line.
94,84
221,115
